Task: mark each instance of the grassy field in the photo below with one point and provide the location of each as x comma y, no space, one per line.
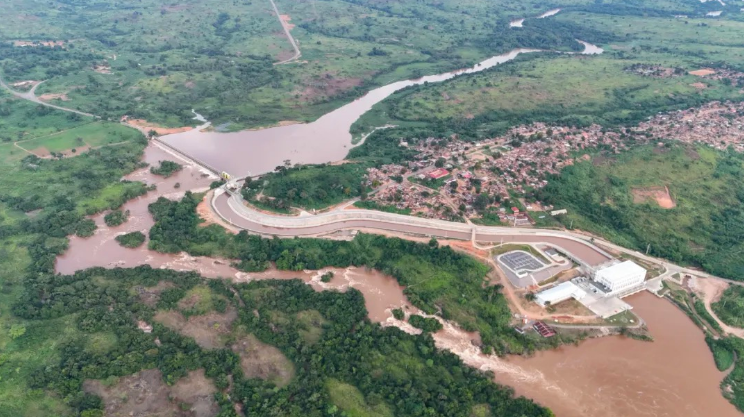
703,182
157,62
578,89
89,135
730,308
351,401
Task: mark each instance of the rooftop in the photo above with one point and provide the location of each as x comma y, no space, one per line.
562,291
622,269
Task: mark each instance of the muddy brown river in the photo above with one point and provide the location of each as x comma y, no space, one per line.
619,377
254,152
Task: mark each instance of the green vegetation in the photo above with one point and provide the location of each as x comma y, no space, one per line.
426,324
723,356
703,228
349,400
373,205
576,90
509,247
116,218
327,277
166,168
437,278
371,361
399,314
703,313
157,62
726,352
78,139
41,202
131,240
730,308
307,186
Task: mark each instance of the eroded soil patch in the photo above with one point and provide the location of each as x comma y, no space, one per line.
658,194
207,330
260,360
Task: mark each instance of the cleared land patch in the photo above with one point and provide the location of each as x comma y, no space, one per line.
207,330
145,393
151,295
312,322
259,360
703,72
658,194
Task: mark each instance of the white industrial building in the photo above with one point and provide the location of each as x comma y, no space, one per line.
559,293
620,277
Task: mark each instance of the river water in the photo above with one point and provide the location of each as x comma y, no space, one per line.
618,377
254,152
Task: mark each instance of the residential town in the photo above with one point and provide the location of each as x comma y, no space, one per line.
450,178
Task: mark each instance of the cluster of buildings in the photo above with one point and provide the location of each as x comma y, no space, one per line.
715,124
452,176
601,291
657,71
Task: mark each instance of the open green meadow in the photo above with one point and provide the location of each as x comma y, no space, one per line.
90,135
579,89
702,229
158,62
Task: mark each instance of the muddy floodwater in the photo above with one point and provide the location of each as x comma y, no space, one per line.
618,377
254,152
103,250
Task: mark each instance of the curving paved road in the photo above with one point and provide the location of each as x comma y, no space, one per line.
232,210
577,246
30,95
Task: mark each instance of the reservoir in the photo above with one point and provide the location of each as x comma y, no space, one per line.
255,152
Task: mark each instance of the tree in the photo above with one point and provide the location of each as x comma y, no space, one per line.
440,162
16,331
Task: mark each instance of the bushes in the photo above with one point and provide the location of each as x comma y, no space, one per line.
116,218
131,240
730,308
166,168
424,323
312,186
85,228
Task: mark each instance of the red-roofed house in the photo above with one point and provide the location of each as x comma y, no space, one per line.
438,173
